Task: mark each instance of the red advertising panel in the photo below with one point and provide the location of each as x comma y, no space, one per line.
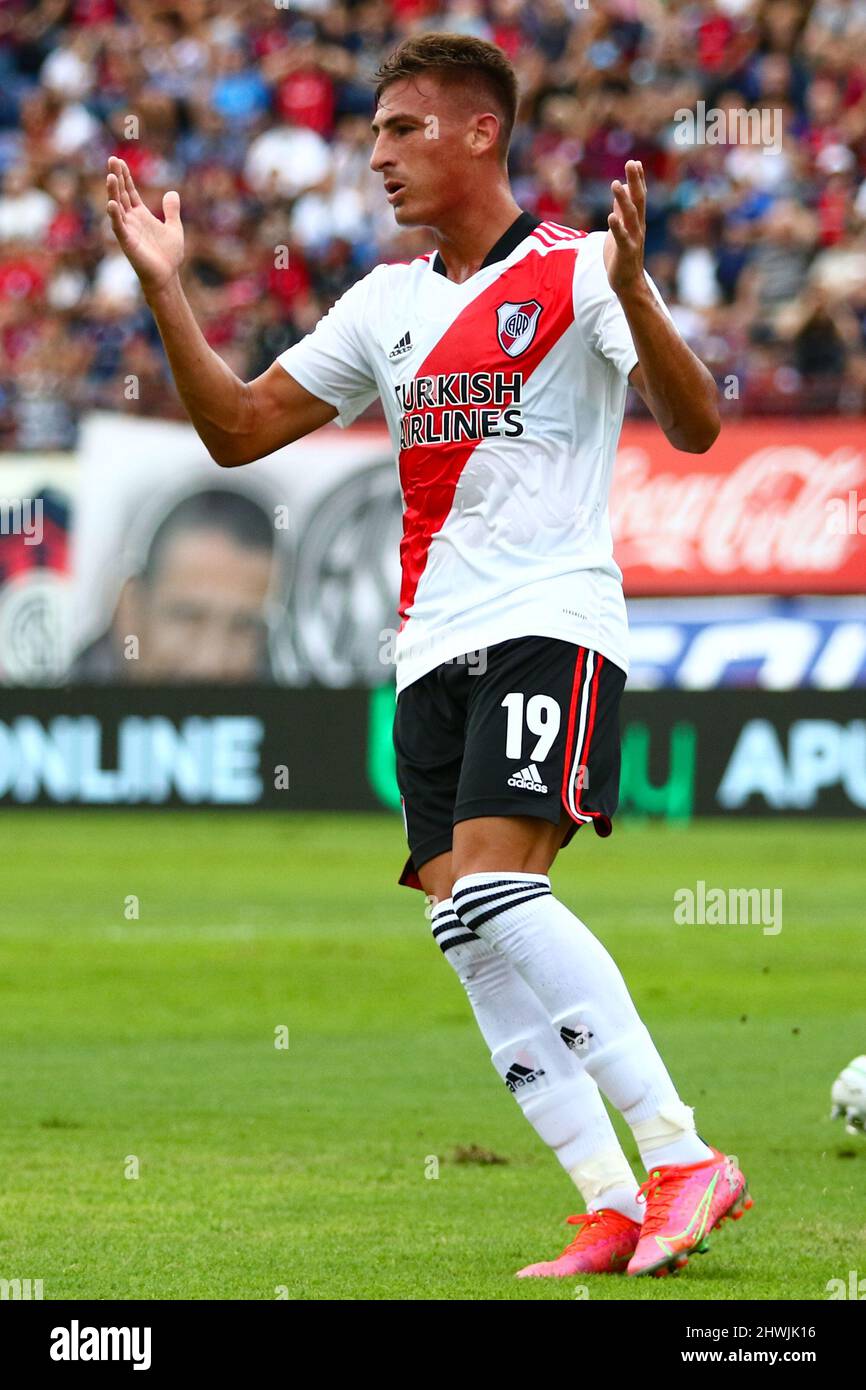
773,507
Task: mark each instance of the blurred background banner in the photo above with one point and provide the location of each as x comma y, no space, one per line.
145,564
37,496
283,571
716,753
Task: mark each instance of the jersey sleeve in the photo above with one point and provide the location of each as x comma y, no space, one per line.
333,361
599,313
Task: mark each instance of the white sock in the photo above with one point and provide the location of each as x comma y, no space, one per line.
669,1136
557,1096
586,999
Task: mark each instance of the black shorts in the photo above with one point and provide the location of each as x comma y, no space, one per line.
524,728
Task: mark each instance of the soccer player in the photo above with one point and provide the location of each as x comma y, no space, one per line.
502,359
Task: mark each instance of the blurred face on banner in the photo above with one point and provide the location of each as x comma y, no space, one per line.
198,607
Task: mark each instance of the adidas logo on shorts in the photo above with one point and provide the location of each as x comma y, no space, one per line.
529,778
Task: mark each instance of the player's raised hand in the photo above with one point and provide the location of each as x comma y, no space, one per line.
624,249
153,248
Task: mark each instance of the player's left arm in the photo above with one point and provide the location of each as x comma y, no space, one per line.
674,383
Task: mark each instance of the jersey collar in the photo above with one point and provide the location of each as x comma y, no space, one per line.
508,242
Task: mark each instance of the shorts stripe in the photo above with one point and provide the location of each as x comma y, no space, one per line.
585,691
568,772
598,661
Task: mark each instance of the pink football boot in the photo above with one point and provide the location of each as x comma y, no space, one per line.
604,1243
684,1202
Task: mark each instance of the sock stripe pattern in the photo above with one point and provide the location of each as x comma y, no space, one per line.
477,904
448,930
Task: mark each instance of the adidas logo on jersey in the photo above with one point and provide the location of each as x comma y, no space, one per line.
400,349
529,778
518,1075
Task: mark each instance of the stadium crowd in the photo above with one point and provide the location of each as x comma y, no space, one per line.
258,112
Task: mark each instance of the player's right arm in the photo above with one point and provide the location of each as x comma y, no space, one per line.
237,421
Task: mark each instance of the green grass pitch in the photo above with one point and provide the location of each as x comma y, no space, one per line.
304,1171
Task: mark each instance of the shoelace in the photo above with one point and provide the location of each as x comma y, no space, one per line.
659,1192
585,1222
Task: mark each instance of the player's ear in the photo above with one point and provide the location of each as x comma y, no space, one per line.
485,133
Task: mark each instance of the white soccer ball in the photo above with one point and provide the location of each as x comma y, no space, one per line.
849,1096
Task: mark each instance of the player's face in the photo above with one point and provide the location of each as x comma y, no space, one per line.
423,150
201,618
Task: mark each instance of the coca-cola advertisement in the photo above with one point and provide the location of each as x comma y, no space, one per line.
777,508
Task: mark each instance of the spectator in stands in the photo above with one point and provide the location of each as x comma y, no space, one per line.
260,116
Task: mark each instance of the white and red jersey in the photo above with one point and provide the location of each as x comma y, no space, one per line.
504,398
